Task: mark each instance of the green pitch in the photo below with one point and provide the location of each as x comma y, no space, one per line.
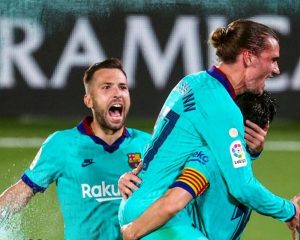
277,169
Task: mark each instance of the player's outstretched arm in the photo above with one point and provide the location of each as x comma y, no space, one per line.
236,165
157,214
14,199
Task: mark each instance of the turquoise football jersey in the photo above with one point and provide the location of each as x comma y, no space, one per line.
201,111
216,213
86,171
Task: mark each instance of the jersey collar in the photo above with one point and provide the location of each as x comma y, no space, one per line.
84,128
222,78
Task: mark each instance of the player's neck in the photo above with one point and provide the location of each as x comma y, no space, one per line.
107,135
235,75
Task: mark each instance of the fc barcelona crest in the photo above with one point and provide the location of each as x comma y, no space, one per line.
134,159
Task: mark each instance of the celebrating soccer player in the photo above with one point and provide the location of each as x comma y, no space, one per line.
87,160
200,113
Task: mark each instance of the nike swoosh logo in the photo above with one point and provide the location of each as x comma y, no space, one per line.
85,164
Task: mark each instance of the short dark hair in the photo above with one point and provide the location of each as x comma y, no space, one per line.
258,108
108,63
240,34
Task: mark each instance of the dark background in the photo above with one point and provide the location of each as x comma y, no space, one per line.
108,22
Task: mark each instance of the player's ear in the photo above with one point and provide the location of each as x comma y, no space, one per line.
247,57
88,101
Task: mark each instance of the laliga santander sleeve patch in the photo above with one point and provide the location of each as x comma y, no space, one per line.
238,155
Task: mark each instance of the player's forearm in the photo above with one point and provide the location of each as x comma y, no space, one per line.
260,199
155,216
244,187
238,174
159,212
15,198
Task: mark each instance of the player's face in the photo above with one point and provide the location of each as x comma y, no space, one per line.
263,67
109,98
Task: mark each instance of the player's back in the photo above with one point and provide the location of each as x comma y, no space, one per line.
176,135
173,139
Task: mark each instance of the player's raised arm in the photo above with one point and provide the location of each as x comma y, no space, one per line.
14,199
236,167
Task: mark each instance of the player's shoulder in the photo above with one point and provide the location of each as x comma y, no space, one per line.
137,133
61,136
194,76
202,80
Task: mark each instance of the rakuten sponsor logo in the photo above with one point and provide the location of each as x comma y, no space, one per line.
102,193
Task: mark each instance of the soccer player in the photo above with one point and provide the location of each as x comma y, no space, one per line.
215,208
201,112
87,160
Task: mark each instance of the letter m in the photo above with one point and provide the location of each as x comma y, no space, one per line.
140,35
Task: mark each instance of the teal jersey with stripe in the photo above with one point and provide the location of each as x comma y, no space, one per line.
86,171
217,214
201,111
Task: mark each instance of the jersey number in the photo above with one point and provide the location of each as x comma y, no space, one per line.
169,123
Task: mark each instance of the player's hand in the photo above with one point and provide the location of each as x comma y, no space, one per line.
255,136
127,182
127,233
293,225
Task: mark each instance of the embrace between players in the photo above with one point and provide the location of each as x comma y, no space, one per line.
199,153
196,180
215,212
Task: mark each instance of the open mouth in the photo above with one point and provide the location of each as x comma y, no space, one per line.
116,110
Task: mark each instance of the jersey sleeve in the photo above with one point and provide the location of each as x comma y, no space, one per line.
220,122
194,177
47,165
253,156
